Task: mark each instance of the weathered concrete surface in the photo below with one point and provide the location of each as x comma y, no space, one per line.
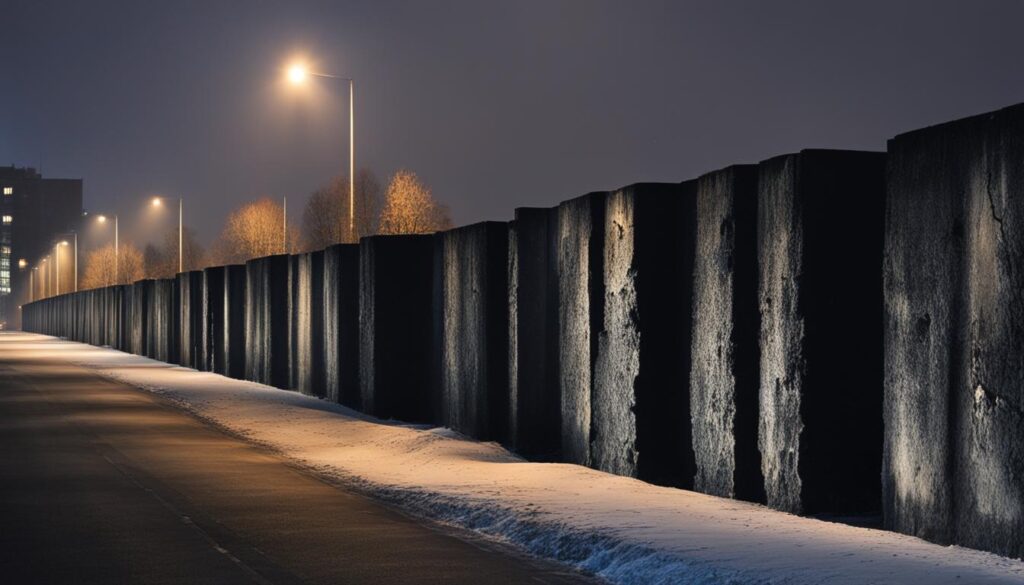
474,366
341,324
640,417
141,294
267,321
233,364
162,315
307,322
954,333
395,275
212,327
580,315
725,354
534,399
820,224
190,318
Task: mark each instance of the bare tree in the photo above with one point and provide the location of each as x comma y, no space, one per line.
100,269
325,220
409,208
253,231
153,261
162,261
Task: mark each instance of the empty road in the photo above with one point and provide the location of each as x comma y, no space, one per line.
104,483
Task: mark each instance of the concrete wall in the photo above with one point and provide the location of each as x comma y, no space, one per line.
190,319
725,353
640,417
267,321
141,294
474,350
580,234
234,323
575,330
395,284
820,220
307,321
954,333
340,298
212,327
534,396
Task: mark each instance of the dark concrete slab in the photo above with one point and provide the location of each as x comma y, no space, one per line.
341,324
640,417
820,225
474,365
534,395
580,316
267,321
724,375
395,303
954,333
190,318
308,323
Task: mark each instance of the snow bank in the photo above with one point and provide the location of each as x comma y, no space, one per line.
621,529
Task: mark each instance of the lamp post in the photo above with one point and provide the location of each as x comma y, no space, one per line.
32,284
158,202
297,75
56,266
117,265
64,243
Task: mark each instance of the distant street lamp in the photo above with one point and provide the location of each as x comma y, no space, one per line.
65,244
117,267
298,74
158,202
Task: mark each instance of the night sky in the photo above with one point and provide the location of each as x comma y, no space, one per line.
494,105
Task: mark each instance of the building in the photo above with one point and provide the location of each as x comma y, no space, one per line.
34,213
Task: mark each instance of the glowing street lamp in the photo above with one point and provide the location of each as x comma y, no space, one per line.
117,266
298,74
159,202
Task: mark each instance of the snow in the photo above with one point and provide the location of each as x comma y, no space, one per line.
621,529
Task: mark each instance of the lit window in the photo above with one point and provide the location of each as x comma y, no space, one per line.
8,190
8,219
5,250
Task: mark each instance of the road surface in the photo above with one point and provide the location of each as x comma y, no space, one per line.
104,483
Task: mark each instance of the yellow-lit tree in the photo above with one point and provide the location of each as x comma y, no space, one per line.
100,268
325,220
409,208
253,231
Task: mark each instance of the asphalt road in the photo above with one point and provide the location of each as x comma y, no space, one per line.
104,483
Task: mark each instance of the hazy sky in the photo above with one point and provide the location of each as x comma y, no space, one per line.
495,105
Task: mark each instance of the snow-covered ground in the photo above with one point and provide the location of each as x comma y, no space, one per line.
621,529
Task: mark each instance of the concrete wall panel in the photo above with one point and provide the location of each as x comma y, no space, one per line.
820,220
640,418
580,316
395,276
725,354
340,294
534,395
474,370
267,321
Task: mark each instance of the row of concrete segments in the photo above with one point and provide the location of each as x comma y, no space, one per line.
828,332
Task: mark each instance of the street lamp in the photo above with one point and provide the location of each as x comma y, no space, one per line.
64,243
117,267
56,263
159,202
298,74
